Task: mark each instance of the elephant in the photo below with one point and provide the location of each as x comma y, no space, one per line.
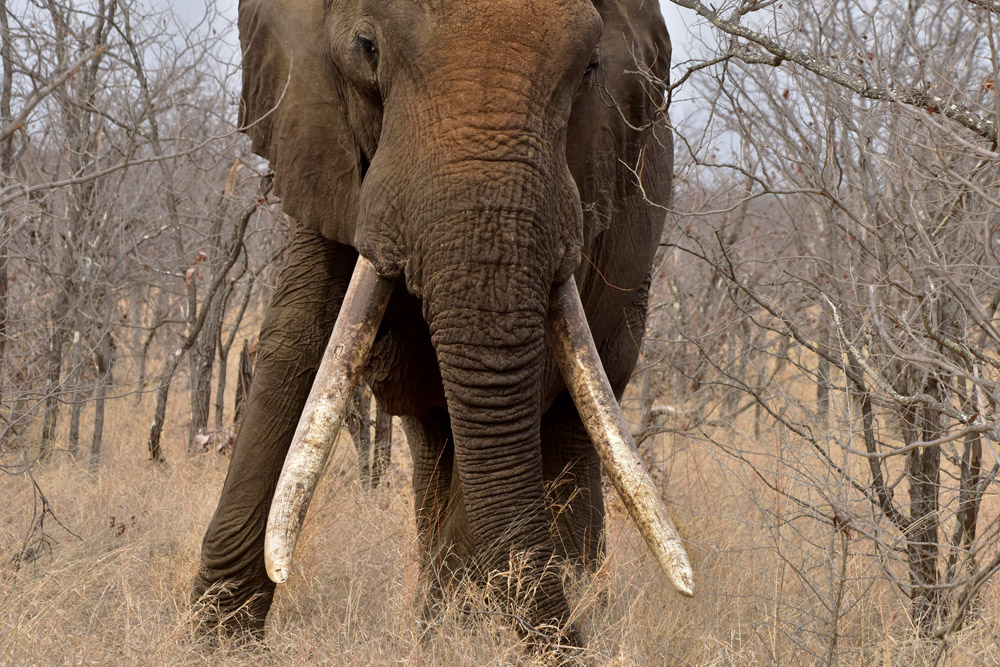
473,185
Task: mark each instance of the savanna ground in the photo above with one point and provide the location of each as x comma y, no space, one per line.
112,585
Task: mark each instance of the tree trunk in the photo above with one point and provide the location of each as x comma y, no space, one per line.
970,496
823,387
6,162
104,361
80,396
51,419
160,412
922,467
220,389
243,383
224,347
382,455
201,395
3,305
202,358
143,358
372,462
4,369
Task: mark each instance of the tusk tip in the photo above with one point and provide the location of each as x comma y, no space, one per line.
684,583
278,575
277,568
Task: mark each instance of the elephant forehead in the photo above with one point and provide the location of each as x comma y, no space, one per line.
555,22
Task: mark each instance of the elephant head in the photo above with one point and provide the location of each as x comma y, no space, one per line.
431,135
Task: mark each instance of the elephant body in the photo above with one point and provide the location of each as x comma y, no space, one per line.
478,187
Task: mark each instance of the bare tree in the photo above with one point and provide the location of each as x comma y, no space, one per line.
836,223
93,97
232,254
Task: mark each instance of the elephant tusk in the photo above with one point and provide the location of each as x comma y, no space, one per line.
339,371
581,367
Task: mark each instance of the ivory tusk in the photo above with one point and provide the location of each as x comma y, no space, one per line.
339,371
581,367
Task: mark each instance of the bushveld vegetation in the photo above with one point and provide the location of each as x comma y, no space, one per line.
817,394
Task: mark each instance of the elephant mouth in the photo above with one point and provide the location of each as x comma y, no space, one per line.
576,355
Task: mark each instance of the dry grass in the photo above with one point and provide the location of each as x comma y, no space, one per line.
118,592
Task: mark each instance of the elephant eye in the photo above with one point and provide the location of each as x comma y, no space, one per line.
366,45
595,62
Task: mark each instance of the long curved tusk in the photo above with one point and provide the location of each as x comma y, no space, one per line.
577,357
338,375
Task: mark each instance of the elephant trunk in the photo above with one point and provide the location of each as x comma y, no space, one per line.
489,343
487,323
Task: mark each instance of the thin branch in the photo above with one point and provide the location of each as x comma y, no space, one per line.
36,97
992,5
962,115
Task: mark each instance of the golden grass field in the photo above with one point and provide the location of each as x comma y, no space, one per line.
117,593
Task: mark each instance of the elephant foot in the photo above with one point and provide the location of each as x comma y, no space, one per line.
230,610
431,615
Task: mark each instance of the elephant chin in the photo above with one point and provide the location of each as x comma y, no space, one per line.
338,375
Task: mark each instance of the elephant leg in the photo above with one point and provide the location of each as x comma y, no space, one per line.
574,495
231,583
433,452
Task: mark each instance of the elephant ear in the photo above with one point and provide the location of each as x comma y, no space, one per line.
292,108
651,39
628,93
645,87
636,48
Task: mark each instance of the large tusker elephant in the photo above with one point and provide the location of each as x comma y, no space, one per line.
492,162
